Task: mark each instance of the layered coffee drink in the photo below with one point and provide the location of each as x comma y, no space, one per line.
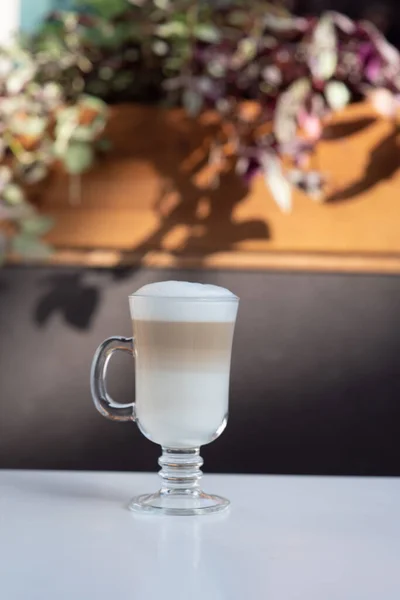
182,348
183,339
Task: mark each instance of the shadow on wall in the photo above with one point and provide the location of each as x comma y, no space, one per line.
384,161
315,383
205,212
208,214
344,129
70,295
177,148
192,216
214,232
163,156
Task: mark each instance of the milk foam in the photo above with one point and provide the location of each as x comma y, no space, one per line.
184,289
182,301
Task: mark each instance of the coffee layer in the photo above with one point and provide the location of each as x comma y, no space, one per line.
182,380
161,344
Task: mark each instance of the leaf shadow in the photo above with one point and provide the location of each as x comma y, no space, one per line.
343,129
206,214
70,296
383,163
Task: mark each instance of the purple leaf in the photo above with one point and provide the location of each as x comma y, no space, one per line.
384,102
248,168
342,22
388,52
296,147
373,69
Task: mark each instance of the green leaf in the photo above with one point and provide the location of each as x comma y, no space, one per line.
111,35
13,194
68,115
325,65
161,4
93,103
104,145
278,184
6,175
237,18
285,126
98,87
323,49
298,90
192,102
283,22
52,94
206,32
122,80
34,172
288,106
37,225
85,133
160,48
67,122
247,49
79,157
30,247
173,29
18,78
30,126
105,8
337,94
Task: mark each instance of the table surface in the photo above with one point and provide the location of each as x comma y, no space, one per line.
69,536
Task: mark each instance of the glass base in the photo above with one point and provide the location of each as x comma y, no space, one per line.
180,493
178,504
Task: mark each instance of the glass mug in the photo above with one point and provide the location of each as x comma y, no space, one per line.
182,350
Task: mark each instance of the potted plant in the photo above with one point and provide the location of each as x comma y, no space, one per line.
40,128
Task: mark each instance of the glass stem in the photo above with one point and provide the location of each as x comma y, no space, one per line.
180,471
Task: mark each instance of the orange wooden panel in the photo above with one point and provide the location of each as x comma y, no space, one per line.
150,195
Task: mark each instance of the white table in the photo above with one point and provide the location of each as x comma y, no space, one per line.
68,536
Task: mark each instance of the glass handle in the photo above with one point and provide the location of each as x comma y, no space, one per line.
98,375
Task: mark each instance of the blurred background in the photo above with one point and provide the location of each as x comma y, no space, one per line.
249,145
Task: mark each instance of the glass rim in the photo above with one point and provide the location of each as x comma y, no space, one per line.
187,298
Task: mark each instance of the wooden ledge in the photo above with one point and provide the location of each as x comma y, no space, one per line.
284,261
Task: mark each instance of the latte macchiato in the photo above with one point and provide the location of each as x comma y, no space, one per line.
183,339
182,349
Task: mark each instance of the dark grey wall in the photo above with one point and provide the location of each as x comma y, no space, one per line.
315,382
